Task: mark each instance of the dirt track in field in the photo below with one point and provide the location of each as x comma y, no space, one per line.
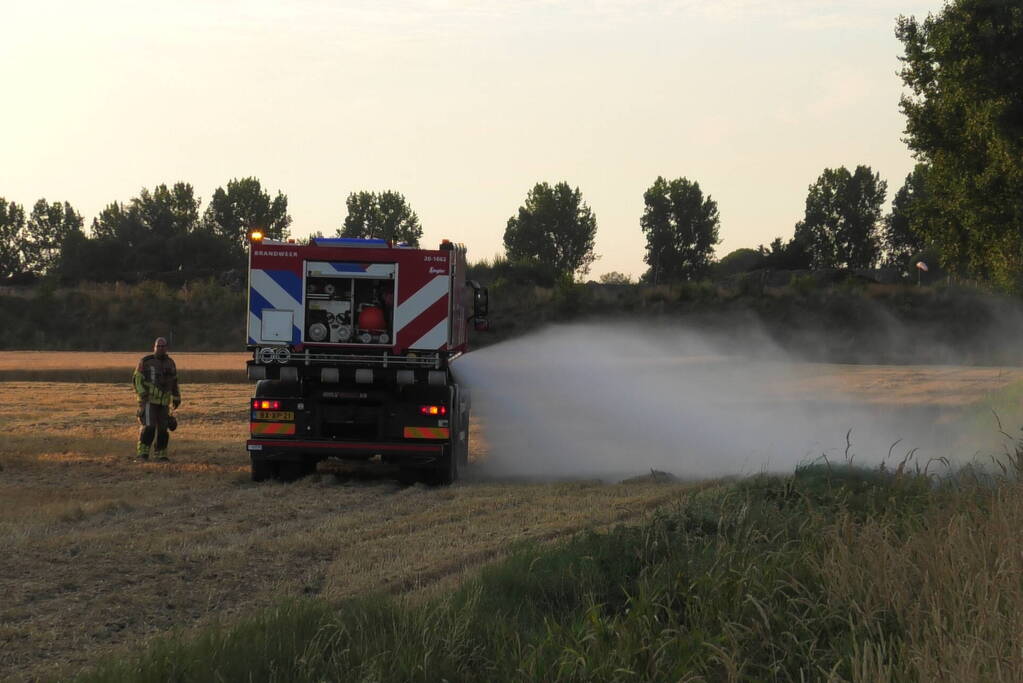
98,553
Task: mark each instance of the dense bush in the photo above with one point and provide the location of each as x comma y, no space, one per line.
845,319
197,316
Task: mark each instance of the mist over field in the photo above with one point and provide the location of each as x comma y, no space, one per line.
612,401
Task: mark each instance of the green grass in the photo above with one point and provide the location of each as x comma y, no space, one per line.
834,572
985,428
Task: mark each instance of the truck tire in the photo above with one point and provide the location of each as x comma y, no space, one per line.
458,449
463,445
262,469
289,471
447,473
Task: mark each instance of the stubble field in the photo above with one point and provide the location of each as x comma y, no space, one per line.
99,553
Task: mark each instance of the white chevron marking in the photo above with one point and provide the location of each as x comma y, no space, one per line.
278,297
435,338
408,310
255,326
268,288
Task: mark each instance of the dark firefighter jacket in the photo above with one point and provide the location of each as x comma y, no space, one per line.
156,380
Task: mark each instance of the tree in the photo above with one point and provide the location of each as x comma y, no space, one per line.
841,226
791,255
167,212
385,215
554,228
615,278
739,261
95,259
150,233
119,222
243,207
681,228
964,118
49,227
907,221
12,223
162,213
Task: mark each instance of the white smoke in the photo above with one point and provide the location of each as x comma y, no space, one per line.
612,401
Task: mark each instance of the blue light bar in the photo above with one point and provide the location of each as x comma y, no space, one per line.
349,242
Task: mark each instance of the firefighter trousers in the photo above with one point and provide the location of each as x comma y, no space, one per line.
153,418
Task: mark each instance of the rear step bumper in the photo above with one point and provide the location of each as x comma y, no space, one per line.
269,448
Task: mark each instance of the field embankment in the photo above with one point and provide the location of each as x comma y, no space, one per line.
811,317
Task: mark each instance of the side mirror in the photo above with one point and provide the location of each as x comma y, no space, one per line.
480,302
480,306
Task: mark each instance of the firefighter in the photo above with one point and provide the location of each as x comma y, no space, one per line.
156,385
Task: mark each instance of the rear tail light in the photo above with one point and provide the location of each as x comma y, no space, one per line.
258,404
433,410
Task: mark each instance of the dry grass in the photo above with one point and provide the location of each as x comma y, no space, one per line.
945,385
879,384
114,367
101,553
954,588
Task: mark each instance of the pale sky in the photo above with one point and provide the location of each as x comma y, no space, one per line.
462,106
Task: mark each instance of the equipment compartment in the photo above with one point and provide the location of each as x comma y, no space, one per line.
349,303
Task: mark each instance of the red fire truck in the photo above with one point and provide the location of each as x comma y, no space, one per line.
352,342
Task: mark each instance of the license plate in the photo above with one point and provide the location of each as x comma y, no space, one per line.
275,415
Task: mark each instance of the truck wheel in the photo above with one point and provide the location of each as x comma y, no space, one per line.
408,477
463,446
446,474
308,467
291,471
262,469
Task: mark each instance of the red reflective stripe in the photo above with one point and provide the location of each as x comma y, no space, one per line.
426,432
272,427
347,446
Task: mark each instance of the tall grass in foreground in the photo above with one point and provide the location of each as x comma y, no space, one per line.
832,573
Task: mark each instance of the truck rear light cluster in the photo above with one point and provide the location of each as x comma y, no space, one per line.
433,410
265,405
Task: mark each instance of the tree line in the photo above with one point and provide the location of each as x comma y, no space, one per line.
844,226
166,230
962,205
552,233
159,231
